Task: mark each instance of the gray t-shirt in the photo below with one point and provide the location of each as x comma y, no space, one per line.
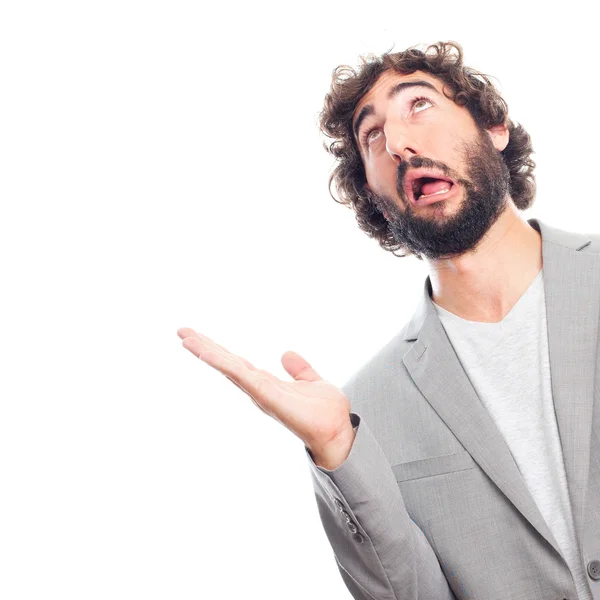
509,366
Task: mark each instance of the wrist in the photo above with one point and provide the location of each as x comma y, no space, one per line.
335,452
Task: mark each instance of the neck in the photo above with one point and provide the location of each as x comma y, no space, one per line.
483,285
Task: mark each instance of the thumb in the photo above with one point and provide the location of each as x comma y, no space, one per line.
298,368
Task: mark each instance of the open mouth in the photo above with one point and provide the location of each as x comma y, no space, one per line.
426,187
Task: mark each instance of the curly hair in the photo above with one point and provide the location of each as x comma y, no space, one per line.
468,87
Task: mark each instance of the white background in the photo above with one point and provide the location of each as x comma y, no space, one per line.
161,167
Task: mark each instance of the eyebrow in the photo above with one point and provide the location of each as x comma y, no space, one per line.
369,110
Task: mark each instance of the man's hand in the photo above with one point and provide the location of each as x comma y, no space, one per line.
310,407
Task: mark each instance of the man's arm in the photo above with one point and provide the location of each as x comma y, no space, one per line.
380,552
375,541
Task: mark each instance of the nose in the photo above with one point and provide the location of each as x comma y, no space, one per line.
400,146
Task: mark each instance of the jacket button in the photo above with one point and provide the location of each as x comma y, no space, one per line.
346,516
594,569
357,538
339,504
352,527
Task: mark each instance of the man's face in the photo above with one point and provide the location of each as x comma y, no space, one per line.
440,181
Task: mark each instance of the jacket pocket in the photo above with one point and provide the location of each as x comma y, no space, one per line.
434,465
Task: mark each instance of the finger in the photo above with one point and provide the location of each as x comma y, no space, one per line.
216,361
256,383
261,386
241,372
299,368
247,394
197,344
185,332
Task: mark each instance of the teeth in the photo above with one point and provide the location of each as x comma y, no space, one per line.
434,194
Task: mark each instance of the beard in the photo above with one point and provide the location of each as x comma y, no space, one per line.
436,235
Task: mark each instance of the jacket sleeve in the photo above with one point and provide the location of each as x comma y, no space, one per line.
379,550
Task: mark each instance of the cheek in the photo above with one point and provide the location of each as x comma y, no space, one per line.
443,143
382,174
448,148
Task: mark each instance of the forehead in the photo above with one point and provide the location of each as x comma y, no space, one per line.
378,92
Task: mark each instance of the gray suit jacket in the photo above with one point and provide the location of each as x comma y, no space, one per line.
430,504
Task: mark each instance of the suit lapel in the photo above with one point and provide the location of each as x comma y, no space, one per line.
571,285
572,288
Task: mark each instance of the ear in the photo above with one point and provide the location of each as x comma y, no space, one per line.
500,136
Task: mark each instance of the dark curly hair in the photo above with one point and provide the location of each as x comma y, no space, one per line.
469,88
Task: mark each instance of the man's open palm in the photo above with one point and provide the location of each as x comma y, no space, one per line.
313,409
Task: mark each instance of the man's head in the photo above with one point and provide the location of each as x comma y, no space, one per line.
427,156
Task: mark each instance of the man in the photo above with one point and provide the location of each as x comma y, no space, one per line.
471,464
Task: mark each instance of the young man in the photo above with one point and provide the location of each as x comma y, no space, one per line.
470,465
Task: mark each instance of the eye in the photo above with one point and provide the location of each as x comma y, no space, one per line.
414,103
367,135
420,100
